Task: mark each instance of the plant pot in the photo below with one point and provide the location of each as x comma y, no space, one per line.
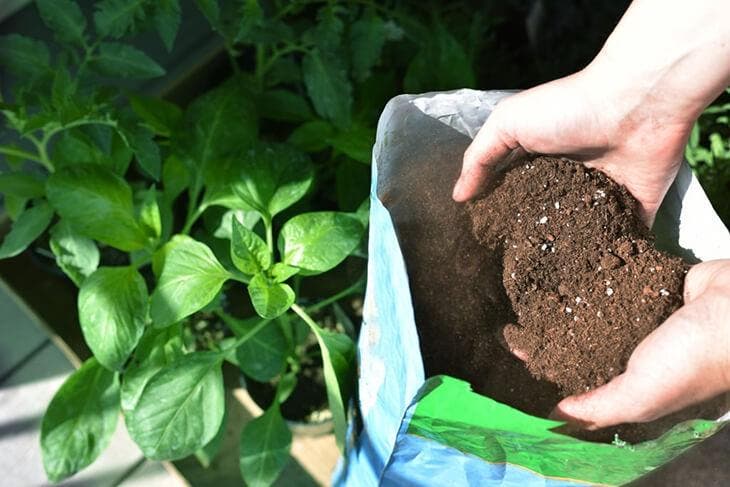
314,423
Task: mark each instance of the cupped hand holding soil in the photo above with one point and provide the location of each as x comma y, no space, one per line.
580,270
583,277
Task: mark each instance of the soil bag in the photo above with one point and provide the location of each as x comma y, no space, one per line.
415,430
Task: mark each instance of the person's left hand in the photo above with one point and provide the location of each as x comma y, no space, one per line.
683,362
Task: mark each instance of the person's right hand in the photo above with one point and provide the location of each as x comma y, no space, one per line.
632,135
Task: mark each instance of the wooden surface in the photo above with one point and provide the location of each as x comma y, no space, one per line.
32,367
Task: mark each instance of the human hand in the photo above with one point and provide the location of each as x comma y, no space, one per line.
632,136
683,362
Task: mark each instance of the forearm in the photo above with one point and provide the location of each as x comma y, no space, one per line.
674,51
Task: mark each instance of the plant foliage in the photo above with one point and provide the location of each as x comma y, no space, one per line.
246,192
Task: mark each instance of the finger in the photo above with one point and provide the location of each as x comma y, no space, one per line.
614,403
702,275
510,338
488,148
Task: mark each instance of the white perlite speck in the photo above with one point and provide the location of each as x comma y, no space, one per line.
557,205
543,220
663,292
568,309
609,291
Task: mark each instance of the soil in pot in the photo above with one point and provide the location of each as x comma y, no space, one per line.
307,402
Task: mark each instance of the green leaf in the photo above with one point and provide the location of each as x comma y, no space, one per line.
24,57
355,142
285,387
191,278
367,37
22,185
159,257
281,272
29,225
211,11
74,147
207,454
247,218
338,359
121,60
156,349
112,310
75,254
161,116
249,252
264,448
269,299
263,356
440,64
80,420
62,92
283,105
274,177
219,123
14,206
149,214
328,87
64,18
116,18
251,19
312,136
167,21
317,242
90,198
326,35
175,177
181,408
145,149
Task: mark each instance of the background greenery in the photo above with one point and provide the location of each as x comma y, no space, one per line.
198,189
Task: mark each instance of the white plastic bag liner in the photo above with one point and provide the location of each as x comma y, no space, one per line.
391,370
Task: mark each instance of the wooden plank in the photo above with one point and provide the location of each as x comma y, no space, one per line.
20,335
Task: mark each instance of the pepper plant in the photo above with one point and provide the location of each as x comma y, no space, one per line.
160,214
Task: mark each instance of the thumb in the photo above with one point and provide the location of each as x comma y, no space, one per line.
490,147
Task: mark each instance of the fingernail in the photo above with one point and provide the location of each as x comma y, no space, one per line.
456,194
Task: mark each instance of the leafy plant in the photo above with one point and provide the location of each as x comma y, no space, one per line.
708,153
227,197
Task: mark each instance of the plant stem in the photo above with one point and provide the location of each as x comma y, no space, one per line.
356,286
304,316
264,68
192,218
43,158
269,234
13,152
142,261
246,336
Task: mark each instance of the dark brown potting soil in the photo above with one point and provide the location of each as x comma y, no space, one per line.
579,268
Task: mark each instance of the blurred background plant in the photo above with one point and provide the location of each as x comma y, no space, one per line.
708,153
89,138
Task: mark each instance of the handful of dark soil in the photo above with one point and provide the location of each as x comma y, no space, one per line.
580,269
